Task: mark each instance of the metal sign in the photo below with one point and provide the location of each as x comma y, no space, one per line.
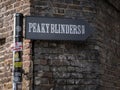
44,28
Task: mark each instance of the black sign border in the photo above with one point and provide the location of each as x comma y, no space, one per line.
55,36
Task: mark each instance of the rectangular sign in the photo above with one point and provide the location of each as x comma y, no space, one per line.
44,28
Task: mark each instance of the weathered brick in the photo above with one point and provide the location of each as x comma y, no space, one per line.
62,65
78,61
43,62
7,9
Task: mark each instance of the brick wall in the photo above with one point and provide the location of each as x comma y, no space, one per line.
93,65
7,9
108,32
65,66
60,65
90,65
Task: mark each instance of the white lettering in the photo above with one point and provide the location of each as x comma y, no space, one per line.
42,27
30,27
67,29
59,27
38,28
52,28
34,27
71,30
79,29
56,28
47,28
83,29
75,29
62,28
